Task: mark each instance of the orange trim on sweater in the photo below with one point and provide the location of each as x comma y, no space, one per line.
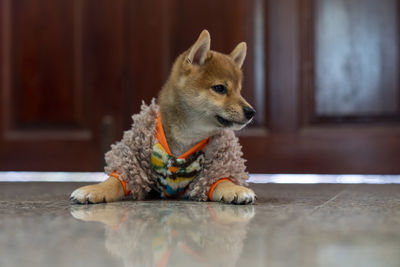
123,183
160,135
199,146
214,185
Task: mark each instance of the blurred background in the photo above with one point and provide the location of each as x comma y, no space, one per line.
323,76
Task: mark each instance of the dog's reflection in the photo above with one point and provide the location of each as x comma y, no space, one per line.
171,233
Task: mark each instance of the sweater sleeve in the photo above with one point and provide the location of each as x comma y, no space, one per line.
129,158
223,159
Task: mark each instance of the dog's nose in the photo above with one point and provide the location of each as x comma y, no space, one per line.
249,112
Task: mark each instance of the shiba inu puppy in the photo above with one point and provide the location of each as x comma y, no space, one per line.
184,147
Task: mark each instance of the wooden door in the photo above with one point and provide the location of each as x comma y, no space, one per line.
333,86
61,82
322,75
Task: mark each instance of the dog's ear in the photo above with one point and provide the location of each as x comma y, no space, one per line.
239,53
198,51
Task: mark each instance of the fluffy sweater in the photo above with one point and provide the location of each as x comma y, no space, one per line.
130,157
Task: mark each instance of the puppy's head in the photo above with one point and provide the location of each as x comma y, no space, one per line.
207,85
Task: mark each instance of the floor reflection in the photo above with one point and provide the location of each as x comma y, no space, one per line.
171,233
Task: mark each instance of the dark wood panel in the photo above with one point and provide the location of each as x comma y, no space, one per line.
42,93
62,83
50,155
43,63
330,150
283,65
104,63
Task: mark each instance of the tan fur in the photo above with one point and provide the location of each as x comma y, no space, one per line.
108,191
188,107
228,192
239,54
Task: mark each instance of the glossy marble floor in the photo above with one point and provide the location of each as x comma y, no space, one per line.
290,225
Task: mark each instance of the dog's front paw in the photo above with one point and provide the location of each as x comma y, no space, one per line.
107,191
88,195
229,192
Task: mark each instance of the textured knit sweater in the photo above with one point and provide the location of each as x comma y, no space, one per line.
131,158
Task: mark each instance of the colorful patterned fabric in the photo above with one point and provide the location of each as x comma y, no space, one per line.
174,174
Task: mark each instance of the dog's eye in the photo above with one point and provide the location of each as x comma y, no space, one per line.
220,89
